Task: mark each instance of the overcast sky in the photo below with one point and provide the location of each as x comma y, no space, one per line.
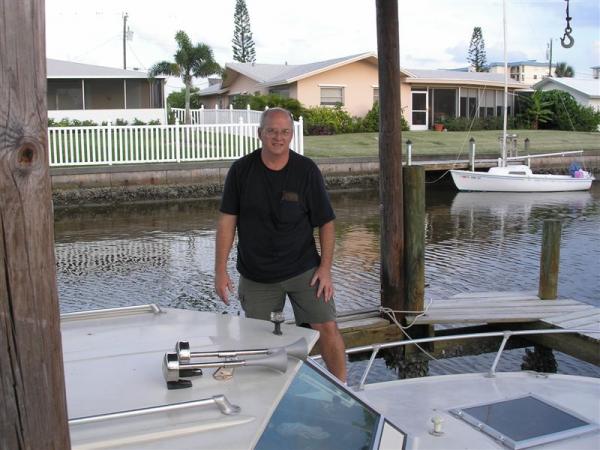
433,33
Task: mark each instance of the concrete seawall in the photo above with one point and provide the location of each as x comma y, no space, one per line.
75,186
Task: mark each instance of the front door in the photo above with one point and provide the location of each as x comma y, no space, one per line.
419,116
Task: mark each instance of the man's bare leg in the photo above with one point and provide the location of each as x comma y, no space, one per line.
332,348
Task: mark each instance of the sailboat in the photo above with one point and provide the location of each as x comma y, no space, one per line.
517,178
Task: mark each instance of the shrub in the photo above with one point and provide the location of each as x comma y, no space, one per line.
320,120
569,115
260,102
176,99
478,123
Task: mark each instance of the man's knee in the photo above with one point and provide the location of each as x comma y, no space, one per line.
328,330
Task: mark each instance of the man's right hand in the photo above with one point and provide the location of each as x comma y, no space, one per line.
223,286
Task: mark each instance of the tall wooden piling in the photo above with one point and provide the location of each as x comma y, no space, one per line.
390,156
414,236
549,260
33,413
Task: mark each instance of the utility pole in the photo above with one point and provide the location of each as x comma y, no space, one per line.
550,58
124,39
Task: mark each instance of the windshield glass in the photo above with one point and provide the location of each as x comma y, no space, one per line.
315,414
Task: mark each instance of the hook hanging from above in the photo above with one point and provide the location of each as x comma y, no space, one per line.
567,40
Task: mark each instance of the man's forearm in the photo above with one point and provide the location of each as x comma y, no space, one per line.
224,241
327,241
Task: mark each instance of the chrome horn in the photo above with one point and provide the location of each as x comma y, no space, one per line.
298,349
174,369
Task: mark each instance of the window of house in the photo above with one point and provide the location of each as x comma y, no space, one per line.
64,94
281,91
332,95
104,94
535,76
375,95
138,94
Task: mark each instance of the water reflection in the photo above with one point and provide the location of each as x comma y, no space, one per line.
163,253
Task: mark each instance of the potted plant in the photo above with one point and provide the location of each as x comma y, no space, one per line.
438,124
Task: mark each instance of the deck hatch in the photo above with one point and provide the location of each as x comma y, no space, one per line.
524,422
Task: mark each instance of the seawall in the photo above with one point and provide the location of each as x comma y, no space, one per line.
77,186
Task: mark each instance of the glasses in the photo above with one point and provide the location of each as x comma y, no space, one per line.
273,132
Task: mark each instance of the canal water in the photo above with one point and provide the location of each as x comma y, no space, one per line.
164,253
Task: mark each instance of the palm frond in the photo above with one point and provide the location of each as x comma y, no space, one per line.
164,68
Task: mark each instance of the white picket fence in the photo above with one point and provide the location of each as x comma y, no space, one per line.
216,115
108,145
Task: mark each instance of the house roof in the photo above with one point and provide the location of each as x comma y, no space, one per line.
529,62
278,74
454,77
587,87
275,74
56,68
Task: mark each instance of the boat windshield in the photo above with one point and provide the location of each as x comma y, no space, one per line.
315,413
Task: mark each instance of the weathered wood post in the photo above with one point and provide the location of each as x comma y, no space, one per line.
414,237
549,261
472,154
33,413
390,156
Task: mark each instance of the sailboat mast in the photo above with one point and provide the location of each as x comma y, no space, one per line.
504,118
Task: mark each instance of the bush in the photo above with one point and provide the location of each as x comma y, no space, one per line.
64,122
176,99
568,114
260,102
322,120
478,123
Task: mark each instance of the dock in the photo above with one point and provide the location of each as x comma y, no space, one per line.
493,310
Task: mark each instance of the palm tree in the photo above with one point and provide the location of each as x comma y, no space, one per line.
564,70
190,61
538,110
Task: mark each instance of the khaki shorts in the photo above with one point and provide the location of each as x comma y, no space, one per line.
258,300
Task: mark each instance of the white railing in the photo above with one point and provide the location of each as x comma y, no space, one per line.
108,145
216,115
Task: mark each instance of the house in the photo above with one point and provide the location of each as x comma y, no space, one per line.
349,81
353,82
103,94
585,91
528,72
430,96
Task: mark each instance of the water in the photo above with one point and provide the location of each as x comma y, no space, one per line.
164,253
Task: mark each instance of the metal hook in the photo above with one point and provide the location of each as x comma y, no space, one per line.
567,40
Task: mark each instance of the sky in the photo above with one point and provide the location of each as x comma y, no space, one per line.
434,34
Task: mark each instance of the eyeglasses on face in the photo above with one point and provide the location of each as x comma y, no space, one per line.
273,132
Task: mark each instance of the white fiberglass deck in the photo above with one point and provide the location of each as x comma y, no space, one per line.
413,403
114,364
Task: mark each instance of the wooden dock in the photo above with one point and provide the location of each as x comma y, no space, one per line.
505,310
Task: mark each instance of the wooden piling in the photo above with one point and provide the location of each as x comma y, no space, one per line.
390,156
414,237
33,413
549,261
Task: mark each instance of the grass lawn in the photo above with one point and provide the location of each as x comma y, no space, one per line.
450,144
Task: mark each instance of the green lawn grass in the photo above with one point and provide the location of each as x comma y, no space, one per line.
450,144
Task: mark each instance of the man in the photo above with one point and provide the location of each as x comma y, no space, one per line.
275,198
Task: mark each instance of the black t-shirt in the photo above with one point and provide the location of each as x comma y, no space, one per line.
277,212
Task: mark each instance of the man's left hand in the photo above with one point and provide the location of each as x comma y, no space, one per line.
325,287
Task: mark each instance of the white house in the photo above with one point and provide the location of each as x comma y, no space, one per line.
585,91
528,72
103,94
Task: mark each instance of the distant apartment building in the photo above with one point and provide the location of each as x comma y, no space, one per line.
528,72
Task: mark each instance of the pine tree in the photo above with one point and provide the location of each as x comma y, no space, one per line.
477,57
243,45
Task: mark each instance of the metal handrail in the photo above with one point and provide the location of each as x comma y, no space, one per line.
220,401
374,348
543,155
111,312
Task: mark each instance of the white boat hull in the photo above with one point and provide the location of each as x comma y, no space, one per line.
491,182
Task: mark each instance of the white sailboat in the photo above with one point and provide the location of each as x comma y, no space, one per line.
517,178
